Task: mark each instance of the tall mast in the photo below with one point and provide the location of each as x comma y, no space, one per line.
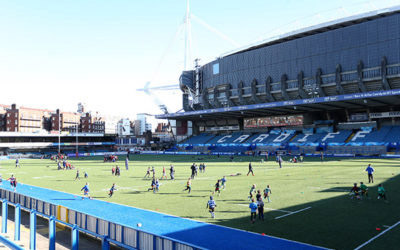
187,55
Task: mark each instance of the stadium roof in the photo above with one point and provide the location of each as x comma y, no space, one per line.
319,28
328,103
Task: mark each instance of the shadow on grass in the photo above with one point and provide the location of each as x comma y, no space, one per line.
336,189
135,192
195,217
231,212
168,193
320,220
234,200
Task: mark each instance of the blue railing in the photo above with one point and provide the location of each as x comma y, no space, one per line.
330,78
142,239
371,73
8,243
275,86
292,84
349,76
393,69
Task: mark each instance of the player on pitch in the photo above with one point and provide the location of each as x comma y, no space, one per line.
211,206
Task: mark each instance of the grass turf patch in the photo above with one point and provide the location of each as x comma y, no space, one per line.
334,220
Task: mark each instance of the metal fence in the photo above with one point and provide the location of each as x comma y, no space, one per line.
107,231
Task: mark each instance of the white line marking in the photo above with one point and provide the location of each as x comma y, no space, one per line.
202,178
295,212
373,238
285,211
41,177
118,188
280,210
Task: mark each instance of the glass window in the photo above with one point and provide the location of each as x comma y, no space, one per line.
216,68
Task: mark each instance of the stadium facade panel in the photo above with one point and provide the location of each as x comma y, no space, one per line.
343,58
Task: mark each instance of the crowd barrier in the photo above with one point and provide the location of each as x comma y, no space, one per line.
97,154
107,231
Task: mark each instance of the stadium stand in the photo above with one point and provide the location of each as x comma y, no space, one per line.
372,137
200,139
393,135
364,141
347,104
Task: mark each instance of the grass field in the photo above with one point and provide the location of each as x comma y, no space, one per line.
327,216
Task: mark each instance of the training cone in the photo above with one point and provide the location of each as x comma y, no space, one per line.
378,229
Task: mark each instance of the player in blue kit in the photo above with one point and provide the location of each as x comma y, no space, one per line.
86,190
370,170
112,189
152,185
253,210
223,182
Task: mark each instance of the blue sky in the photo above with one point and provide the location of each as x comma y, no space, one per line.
54,54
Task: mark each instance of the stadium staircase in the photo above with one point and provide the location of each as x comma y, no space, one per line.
350,137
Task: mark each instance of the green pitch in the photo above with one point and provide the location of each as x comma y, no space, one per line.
317,192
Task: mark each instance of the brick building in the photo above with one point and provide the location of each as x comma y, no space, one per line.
92,124
3,113
162,127
31,120
25,119
68,121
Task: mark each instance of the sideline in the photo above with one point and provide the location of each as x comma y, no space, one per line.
375,237
272,209
295,212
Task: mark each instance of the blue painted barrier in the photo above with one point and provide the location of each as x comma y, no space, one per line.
4,213
9,243
52,233
17,233
159,231
32,227
76,229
